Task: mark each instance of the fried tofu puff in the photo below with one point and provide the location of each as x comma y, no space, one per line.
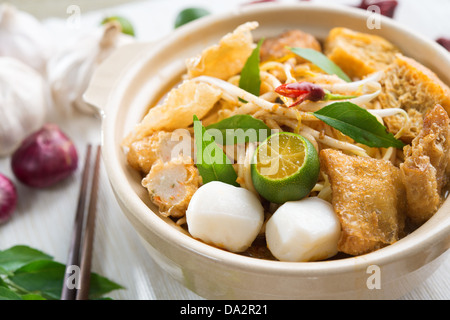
369,198
358,54
161,145
409,85
424,170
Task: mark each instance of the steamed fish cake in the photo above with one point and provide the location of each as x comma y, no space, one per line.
172,184
161,145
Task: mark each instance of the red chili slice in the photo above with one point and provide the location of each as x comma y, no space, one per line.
301,91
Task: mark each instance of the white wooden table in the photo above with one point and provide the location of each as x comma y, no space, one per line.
44,218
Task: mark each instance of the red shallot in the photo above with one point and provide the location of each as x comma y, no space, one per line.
8,198
45,157
445,42
386,7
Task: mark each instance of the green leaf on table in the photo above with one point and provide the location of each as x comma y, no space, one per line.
241,128
100,286
212,163
250,79
321,61
32,296
8,294
30,274
359,124
3,283
44,277
17,256
4,272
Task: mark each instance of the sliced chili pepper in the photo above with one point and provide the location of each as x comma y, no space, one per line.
301,91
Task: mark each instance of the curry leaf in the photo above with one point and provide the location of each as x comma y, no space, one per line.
321,61
212,162
32,296
8,294
359,124
29,274
42,276
250,79
17,256
4,272
241,128
45,278
100,285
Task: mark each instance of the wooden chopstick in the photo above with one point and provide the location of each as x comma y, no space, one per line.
88,241
76,252
69,292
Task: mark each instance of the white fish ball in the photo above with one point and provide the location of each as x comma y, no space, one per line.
226,216
305,230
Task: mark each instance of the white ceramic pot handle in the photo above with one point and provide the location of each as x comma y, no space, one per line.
110,71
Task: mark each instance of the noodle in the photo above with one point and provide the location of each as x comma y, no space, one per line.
247,168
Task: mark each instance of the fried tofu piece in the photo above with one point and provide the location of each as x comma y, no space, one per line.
358,54
172,184
275,48
227,58
369,198
424,171
160,145
411,86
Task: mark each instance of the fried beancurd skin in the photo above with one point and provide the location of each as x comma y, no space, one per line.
177,110
234,49
369,198
424,171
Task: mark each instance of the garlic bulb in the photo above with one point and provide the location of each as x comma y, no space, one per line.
23,37
71,69
23,103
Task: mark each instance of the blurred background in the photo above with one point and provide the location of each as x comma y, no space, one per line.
57,8
156,17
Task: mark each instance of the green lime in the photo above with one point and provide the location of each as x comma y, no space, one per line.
127,27
285,167
189,14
